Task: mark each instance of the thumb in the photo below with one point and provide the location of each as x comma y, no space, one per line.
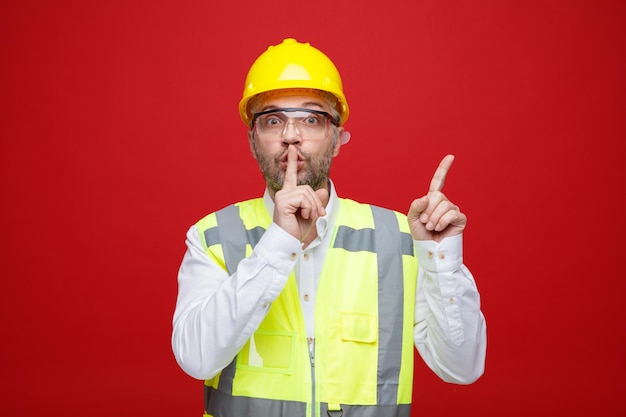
417,208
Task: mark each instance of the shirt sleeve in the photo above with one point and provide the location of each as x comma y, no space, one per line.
449,328
216,313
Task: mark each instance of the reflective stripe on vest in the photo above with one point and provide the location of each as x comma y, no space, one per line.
233,245
390,300
245,406
233,236
223,404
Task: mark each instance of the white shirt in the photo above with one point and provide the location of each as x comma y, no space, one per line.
216,313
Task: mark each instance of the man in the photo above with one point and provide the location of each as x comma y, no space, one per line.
301,303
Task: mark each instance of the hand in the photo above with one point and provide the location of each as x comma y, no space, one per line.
297,207
433,216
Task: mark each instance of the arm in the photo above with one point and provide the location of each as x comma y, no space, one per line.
449,328
216,313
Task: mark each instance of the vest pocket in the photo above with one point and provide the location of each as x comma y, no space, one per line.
351,348
358,327
268,351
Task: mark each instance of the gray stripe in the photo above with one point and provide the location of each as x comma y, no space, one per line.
254,235
390,304
227,377
220,404
223,404
392,410
212,236
354,240
406,242
232,235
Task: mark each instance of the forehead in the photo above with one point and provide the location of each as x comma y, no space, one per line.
291,98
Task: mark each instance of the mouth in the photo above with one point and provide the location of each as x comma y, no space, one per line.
283,161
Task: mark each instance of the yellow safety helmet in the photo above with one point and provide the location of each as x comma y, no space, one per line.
292,64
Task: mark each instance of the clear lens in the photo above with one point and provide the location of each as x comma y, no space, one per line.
309,124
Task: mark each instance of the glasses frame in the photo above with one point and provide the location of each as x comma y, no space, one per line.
255,116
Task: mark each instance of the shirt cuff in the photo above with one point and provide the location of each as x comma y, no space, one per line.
445,256
279,249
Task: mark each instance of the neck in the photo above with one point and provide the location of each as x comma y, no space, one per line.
272,191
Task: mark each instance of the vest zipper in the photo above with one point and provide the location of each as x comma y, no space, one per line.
312,356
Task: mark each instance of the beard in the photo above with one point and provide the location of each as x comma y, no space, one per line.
314,174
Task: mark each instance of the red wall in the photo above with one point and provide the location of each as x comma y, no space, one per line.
119,129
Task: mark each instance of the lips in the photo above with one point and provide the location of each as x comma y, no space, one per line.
284,157
283,164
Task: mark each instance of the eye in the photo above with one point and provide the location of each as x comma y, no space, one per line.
312,119
271,120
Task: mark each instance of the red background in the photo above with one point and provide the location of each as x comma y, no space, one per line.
119,129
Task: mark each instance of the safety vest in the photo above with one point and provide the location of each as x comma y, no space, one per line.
362,363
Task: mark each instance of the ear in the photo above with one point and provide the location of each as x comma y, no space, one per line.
339,141
344,137
251,143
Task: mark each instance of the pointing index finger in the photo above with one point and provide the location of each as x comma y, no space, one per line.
436,184
291,173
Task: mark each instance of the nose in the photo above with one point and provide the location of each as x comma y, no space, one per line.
291,133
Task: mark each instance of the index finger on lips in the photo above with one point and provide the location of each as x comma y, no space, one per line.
291,173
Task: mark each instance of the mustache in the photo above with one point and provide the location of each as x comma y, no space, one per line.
282,156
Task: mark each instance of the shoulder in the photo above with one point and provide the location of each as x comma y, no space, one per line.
348,204
240,208
351,211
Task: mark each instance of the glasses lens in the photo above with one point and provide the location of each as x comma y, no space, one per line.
310,124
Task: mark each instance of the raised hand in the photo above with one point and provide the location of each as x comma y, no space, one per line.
433,216
297,207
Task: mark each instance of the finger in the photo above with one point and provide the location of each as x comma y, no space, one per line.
306,201
431,201
417,208
305,209
436,184
291,173
323,197
440,214
450,219
316,202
